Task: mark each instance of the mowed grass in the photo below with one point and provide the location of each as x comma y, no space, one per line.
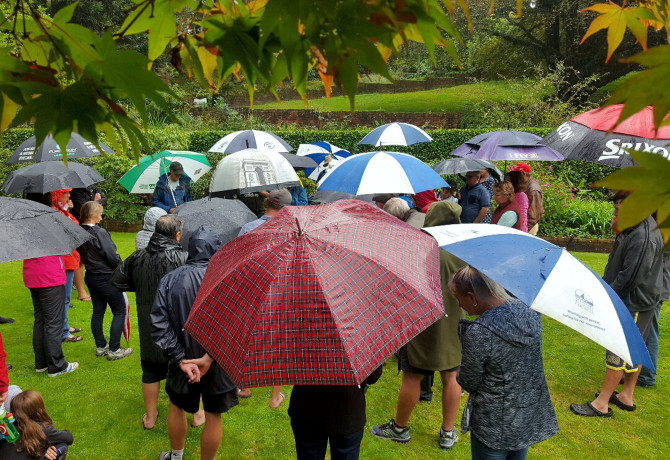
459,99
101,403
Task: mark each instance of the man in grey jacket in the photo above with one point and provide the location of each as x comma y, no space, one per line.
635,272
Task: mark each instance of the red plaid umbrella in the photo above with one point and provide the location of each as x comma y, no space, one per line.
318,295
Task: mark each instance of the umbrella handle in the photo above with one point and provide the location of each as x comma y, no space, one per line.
297,222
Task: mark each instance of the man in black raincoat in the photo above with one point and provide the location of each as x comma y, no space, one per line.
191,372
140,273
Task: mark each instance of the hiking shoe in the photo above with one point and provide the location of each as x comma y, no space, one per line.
102,351
71,367
118,354
448,438
391,431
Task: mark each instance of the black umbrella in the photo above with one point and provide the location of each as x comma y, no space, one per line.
77,147
463,165
29,229
299,162
50,175
328,196
223,217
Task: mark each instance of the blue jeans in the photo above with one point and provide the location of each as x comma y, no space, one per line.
481,451
647,375
312,444
69,279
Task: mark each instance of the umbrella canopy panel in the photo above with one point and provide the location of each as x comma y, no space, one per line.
549,280
29,229
49,150
317,295
142,178
299,162
250,139
223,217
250,171
396,134
326,196
585,137
50,175
506,145
463,165
381,172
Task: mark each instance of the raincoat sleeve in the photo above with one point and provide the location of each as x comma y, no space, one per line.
161,196
476,343
122,278
298,196
111,255
534,206
164,335
637,258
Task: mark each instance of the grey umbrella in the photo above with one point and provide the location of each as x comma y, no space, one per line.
224,217
29,229
50,175
463,165
49,150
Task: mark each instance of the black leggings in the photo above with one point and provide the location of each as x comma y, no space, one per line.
102,293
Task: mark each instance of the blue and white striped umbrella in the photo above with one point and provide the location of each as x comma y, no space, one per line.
381,172
550,280
318,151
396,134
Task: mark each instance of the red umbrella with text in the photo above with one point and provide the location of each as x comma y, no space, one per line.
317,295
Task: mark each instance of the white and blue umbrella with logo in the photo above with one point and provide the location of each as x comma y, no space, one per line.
396,134
381,172
550,280
318,151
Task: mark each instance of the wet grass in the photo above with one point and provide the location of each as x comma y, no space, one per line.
101,403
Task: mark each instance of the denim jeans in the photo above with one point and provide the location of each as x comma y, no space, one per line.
102,293
312,444
481,451
69,279
647,375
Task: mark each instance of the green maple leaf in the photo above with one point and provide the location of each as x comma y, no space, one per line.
616,19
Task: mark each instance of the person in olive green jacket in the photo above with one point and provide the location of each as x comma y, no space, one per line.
436,349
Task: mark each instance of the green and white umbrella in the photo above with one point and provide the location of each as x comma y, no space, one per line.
143,178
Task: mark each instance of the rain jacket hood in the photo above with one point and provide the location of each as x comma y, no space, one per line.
520,328
202,245
443,213
151,217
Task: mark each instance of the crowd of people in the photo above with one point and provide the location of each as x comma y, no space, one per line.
496,357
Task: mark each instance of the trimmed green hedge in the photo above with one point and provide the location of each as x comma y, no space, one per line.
125,207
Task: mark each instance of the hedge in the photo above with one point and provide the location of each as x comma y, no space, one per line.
128,208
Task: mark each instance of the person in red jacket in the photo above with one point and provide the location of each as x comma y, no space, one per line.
60,201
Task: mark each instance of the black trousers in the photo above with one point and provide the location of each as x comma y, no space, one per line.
311,444
48,328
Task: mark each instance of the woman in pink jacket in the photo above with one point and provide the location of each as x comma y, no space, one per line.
45,277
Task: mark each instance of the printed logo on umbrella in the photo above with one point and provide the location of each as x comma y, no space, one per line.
583,301
525,156
269,145
614,150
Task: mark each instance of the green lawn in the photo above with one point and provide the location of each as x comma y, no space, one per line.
459,99
101,403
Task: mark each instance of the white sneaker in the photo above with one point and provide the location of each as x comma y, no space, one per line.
43,369
71,367
118,354
102,351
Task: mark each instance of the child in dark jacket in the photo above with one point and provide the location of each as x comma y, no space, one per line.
38,439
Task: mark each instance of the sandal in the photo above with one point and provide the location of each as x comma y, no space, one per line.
282,396
617,402
73,338
587,410
75,329
145,416
85,299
